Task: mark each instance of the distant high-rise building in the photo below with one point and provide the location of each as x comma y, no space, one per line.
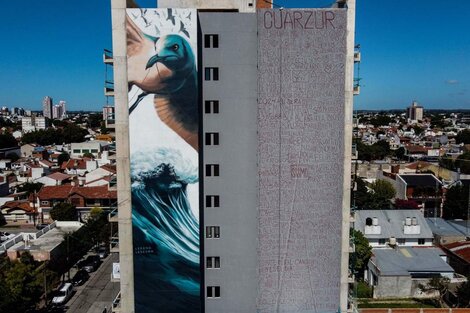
415,112
47,107
58,110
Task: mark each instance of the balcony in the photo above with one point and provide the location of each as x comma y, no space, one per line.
108,57
117,304
113,216
114,244
356,90
357,57
109,88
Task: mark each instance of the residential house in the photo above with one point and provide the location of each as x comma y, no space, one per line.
83,198
402,228
18,211
54,179
397,273
446,231
458,254
93,147
425,189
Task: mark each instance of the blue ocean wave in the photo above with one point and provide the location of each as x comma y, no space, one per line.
166,232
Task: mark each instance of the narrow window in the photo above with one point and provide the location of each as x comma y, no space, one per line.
211,73
212,139
211,107
213,262
213,291
421,241
401,241
211,41
382,241
212,201
212,232
212,170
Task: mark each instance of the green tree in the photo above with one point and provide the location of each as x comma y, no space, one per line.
463,137
362,253
64,156
12,156
88,155
418,130
463,294
463,163
7,141
64,212
456,203
381,194
94,120
400,153
30,187
24,286
439,284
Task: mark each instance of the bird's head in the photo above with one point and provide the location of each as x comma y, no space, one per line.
174,52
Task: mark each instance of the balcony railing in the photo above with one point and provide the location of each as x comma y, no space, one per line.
117,304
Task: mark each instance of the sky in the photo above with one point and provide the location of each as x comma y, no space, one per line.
411,50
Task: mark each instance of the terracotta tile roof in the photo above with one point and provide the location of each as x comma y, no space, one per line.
74,164
59,176
461,249
65,191
12,205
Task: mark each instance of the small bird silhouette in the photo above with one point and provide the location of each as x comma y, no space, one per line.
171,17
183,29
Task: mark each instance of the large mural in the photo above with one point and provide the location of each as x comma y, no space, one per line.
163,124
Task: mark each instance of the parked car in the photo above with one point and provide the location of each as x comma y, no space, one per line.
91,263
41,226
80,277
6,236
103,252
63,294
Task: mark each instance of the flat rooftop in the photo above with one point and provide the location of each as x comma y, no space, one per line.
49,240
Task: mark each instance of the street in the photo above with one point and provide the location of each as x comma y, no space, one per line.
98,292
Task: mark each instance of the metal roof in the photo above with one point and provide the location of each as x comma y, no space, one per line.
423,180
441,227
404,261
391,223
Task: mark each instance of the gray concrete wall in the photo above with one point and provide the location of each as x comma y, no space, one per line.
126,258
393,287
236,123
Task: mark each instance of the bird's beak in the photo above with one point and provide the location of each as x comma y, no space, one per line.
151,62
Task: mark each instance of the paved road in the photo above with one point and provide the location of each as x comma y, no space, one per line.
98,292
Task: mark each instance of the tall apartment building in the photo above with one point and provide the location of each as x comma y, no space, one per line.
59,110
47,107
415,112
233,127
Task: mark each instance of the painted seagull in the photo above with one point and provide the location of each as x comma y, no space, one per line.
165,67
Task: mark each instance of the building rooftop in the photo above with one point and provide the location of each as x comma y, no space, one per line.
422,180
49,240
461,249
441,227
405,261
64,191
392,222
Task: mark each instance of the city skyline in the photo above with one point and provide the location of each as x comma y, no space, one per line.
406,54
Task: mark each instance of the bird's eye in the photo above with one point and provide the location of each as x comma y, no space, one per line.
175,47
